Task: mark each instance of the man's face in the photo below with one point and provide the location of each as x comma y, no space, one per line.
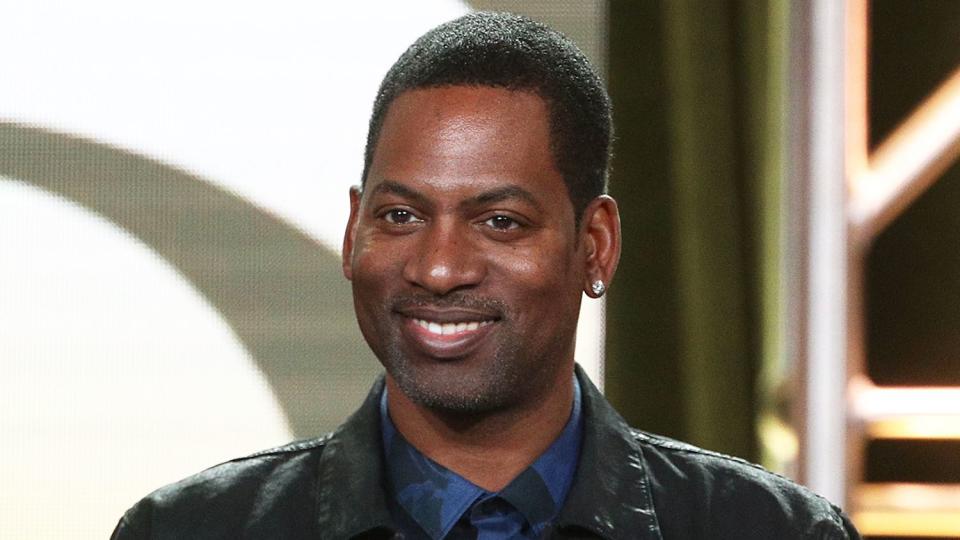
463,253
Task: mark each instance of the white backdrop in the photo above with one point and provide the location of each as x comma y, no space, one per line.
101,398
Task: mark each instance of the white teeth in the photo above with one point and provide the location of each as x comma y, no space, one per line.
447,329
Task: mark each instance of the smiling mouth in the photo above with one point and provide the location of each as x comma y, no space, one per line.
448,336
449,328
453,328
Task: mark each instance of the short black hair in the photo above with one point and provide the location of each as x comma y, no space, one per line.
511,51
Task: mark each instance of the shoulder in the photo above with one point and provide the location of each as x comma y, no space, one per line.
698,493
271,488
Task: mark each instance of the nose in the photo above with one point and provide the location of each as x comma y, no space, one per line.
444,259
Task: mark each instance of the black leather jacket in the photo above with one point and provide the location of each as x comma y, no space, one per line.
629,485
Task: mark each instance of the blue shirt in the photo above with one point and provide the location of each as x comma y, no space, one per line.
432,502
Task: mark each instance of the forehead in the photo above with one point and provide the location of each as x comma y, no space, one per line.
466,135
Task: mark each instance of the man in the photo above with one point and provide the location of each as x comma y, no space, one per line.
480,222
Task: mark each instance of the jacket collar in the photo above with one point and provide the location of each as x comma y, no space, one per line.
610,496
351,494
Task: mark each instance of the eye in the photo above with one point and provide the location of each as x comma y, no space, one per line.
399,216
502,223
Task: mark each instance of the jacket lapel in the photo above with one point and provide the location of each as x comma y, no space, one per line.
351,500
610,496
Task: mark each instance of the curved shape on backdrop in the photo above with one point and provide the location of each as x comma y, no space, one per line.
280,291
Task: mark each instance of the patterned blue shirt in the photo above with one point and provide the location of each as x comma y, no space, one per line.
431,502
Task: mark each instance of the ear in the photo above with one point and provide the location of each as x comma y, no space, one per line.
600,237
350,234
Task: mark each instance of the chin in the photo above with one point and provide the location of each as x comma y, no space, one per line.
456,403
447,388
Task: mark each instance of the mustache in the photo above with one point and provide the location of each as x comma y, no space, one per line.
452,300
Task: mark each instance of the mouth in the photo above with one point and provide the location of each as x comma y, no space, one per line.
446,334
451,329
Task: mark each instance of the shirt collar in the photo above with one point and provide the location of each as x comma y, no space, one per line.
435,497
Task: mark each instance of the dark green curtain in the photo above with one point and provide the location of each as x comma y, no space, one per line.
693,320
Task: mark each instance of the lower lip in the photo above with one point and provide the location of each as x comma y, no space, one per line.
445,347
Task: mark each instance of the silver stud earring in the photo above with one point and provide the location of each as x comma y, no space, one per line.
598,288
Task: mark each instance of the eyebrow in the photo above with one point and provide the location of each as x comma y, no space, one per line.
503,194
488,197
396,188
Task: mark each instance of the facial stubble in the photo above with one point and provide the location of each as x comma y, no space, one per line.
503,379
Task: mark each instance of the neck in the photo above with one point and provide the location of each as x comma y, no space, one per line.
489,449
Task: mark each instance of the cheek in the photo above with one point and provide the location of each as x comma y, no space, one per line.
537,272
373,265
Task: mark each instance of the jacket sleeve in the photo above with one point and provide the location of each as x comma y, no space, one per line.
840,528
135,524
848,527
